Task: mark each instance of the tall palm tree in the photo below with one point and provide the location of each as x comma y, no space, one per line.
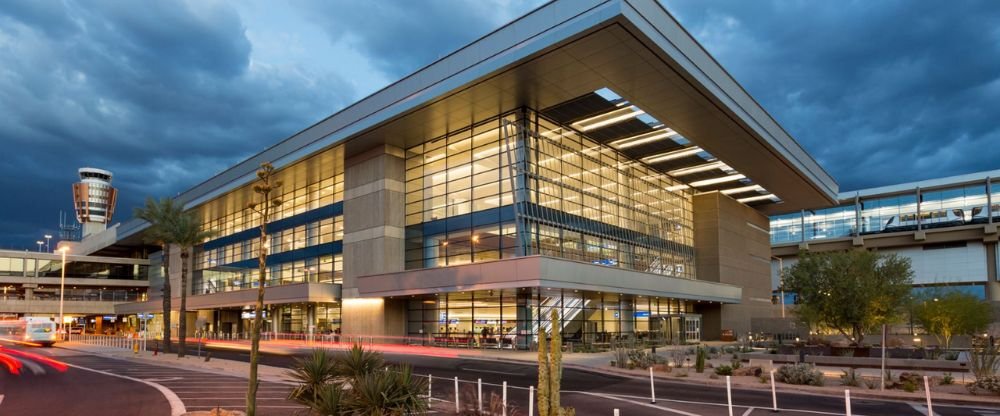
162,216
187,233
267,189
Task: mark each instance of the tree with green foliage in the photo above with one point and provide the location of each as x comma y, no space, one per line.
162,217
550,371
266,188
852,292
946,312
187,233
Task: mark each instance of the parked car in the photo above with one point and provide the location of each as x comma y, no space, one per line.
76,330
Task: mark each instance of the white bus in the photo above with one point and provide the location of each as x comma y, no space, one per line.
30,330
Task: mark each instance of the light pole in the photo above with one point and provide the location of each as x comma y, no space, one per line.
781,283
62,287
39,242
48,239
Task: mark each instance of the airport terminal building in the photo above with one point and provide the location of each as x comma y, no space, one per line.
947,227
589,158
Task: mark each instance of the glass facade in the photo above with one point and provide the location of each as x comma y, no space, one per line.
304,233
934,208
509,318
27,267
522,185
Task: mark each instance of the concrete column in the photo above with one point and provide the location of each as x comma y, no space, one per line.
732,245
992,282
374,232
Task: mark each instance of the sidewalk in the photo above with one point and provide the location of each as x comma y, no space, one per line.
590,362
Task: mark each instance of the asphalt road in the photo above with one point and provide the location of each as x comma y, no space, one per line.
39,388
596,393
87,385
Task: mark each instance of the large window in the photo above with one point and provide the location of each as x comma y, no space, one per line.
306,185
577,200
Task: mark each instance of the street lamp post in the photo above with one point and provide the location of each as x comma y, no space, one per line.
39,242
48,239
62,289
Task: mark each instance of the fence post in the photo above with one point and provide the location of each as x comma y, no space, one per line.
531,400
652,389
505,398
430,381
774,393
456,395
847,401
927,390
617,412
729,394
479,386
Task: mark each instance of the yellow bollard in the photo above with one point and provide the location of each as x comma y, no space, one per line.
135,346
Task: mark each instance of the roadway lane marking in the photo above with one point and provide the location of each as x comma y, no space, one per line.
623,396
176,405
749,410
920,408
664,408
164,379
492,372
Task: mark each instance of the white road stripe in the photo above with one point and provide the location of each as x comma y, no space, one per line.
749,410
176,405
920,408
492,372
644,404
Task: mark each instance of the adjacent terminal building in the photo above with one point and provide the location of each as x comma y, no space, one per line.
947,227
589,159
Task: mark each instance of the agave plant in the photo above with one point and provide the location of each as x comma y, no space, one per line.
357,362
389,391
313,373
327,401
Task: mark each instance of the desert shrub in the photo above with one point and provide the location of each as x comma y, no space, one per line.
801,373
909,386
872,383
724,370
681,373
736,364
950,355
850,378
988,384
713,350
947,379
644,359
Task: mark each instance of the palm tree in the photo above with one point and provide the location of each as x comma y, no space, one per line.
266,187
161,216
187,233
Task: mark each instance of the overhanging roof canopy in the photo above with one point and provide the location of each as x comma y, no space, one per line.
562,52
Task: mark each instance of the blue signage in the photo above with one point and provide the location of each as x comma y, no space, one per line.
642,314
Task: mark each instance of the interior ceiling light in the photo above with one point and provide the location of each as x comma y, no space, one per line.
676,154
699,168
643,138
742,189
608,118
676,188
757,198
714,181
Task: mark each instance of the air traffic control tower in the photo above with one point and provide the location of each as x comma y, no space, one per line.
94,200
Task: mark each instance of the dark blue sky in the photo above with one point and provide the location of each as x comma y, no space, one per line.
167,94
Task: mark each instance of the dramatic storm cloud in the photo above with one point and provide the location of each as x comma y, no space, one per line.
167,94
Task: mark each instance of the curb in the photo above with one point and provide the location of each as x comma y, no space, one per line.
789,388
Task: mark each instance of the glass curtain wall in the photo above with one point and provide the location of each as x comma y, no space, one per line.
520,184
313,183
509,318
940,207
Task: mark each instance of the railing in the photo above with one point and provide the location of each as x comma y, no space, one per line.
125,342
